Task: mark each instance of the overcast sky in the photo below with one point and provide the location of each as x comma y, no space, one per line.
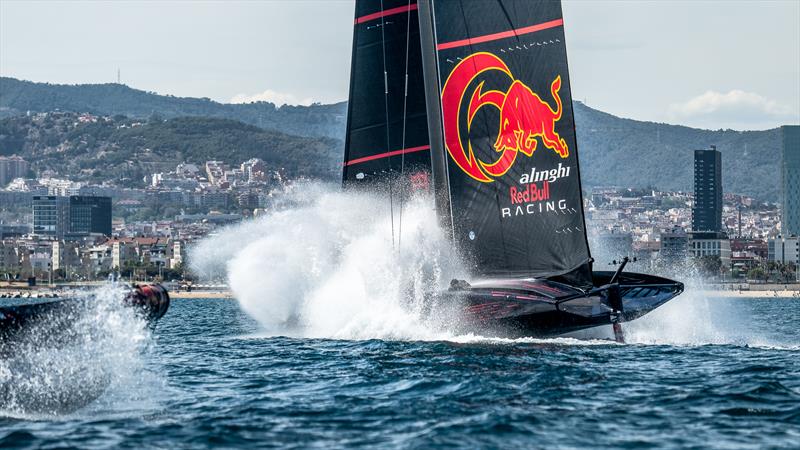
706,64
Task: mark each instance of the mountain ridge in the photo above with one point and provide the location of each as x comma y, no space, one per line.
613,150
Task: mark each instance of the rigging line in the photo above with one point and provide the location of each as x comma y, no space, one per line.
510,22
386,111
403,155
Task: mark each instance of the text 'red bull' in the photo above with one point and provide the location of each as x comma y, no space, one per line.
524,117
531,193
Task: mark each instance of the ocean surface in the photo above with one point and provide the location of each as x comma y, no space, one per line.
702,373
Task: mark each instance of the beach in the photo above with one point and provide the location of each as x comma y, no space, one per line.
777,291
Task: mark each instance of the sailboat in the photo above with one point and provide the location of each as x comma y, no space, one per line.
471,100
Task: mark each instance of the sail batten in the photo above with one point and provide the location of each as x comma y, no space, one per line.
364,159
501,35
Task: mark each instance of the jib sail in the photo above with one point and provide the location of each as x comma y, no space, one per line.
502,116
386,121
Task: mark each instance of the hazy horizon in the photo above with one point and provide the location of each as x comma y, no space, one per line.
720,67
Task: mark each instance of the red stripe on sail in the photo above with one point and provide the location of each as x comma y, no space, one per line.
388,12
501,35
387,154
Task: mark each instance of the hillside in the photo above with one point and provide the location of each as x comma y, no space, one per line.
125,150
19,97
625,152
614,151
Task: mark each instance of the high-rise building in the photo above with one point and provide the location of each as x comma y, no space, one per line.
707,209
89,214
12,167
76,216
790,179
50,216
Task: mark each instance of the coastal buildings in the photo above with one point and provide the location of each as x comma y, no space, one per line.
674,244
784,253
12,167
711,244
707,237
784,250
89,215
707,209
790,179
50,216
215,171
59,217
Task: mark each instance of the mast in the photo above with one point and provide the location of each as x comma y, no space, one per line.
441,183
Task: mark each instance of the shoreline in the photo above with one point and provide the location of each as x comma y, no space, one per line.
46,292
709,293
201,294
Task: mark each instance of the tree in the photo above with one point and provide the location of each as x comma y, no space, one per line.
756,273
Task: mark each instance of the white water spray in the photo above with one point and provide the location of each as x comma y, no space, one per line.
324,265
327,266
92,357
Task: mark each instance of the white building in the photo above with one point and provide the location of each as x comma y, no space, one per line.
711,244
785,250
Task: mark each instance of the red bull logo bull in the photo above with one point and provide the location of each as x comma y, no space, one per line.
525,119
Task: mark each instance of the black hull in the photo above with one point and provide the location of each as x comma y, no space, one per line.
33,329
547,308
151,301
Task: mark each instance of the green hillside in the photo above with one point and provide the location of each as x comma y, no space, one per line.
19,97
613,150
616,151
125,150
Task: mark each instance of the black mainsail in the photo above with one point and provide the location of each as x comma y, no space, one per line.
386,129
508,131
476,95
477,91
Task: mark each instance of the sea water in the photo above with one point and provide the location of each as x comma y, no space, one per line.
326,346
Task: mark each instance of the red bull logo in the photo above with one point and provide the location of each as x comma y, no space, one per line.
524,117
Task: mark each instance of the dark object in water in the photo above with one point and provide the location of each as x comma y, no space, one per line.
54,352
149,300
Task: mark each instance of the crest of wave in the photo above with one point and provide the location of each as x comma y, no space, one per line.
323,264
90,352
